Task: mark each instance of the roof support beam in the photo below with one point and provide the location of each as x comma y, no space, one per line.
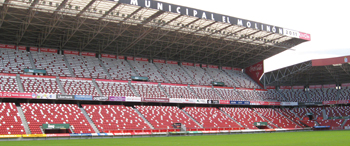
4,12
176,39
144,34
117,35
26,23
101,26
56,18
158,38
76,26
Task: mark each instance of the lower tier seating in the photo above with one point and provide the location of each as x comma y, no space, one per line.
162,117
43,113
273,116
115,117
10,121
210,117
245,116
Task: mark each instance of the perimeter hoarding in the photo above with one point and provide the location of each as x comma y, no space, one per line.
100,98
164,100
82,97
240,102
65,97
17,95
116,98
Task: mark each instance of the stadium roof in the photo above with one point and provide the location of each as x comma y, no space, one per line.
138,28
313,72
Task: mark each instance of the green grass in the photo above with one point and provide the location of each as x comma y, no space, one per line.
331,138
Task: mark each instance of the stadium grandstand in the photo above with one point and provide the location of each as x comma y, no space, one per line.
132,67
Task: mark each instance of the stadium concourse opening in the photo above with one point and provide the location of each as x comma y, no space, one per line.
126,68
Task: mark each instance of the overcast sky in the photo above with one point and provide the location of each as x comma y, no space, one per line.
328,22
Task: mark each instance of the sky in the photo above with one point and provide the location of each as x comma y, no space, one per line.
328,22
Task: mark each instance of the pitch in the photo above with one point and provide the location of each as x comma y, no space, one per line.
311,138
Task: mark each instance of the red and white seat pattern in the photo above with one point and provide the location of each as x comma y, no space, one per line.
40,85
162,117
205,93
220,76
10,121
86,67
115,89
295,95
147,69
13,61
286,112
115,117
267,95
179,92
344,93
44,113
210,117
79,87
174,73
245,116
325,94
118,69
347,124
338,111
199,75
275,117
8,84
242,79
149,90
53,63
250,95
229,94
334,123
301,112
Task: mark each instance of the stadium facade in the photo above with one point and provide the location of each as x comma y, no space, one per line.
132,67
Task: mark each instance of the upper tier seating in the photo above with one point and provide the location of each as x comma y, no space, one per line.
220,76
179,92
344,93
229,94
40,85
44,113
250,95
162,117
205,93
211,117
115,89
115,117
274,95
242,79
294,95
146,69
53,63
79,87
10,121
174,73
319,95
118,69
149,90
8,84
275,117
199,75
12,61
245,116
86,67
266,95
